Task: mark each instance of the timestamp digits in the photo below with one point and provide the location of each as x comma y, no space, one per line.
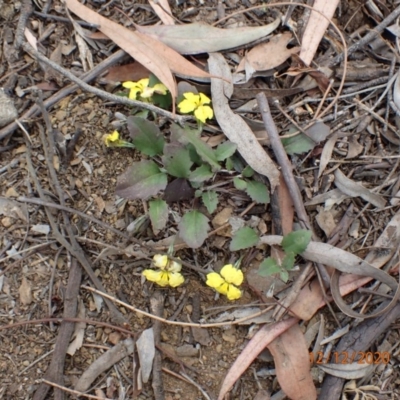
349,357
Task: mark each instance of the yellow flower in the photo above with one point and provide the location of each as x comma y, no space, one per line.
196,103
142,87
113,140
169,273
226,281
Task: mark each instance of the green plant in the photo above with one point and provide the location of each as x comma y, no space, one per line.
292,244
183,167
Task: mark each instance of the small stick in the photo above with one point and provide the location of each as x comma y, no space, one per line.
75,392
283,160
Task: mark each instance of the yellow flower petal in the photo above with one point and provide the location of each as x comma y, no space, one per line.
223,289
160,88
233,293
193,98
186,106
110,138
232,275
214,280
160,261
159,277
129,84
143,83
203,99
175,279
203,113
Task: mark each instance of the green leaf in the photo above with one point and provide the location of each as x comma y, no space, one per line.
229,164
240,184
146,136
269,267
248,172
193,228
225,150
296,242
284,275
257,191
288,261
176,160
244,238
141,180
158,212
298,144
210,200
201,174
187,135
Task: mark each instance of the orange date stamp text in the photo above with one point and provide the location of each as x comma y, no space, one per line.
349,357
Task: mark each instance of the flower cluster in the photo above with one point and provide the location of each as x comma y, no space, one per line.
226,281
196,103
168,273
142,88
113,140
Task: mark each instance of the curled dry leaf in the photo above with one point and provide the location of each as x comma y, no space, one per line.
199,38
233,125
354,189
348,371
25,292
269,55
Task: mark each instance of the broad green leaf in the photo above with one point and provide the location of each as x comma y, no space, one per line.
240,184
296,242
188,135
257,191
229,164
196,38
193,228
269,267
146,136
248,172
244,238
225,150
298,144
288,261
201,174
158,212
176,160
284,275
210,200
141,180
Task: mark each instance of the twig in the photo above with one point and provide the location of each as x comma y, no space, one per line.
287,173
44,203
26,11
202,391
368,37
86,77
61,320
55,371
167,321
283,160
88,396
74,248
102,93
157,308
